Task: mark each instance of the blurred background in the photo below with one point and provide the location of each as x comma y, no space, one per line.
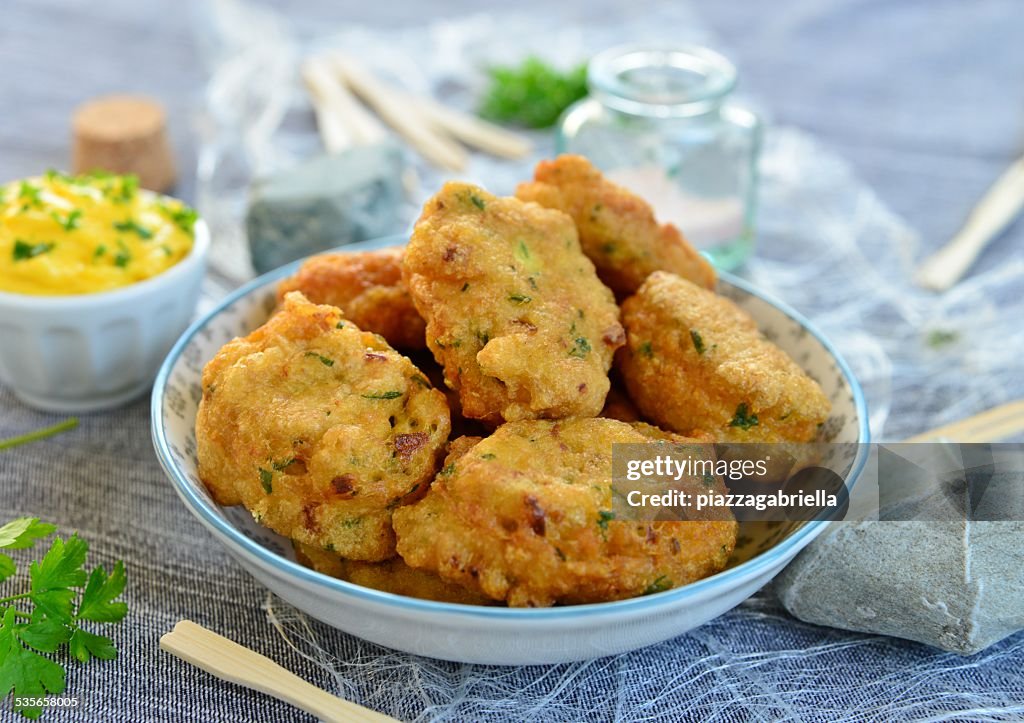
923,98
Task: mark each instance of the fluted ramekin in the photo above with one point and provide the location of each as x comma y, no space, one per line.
87,352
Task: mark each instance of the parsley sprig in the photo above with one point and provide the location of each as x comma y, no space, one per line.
46,619
533,93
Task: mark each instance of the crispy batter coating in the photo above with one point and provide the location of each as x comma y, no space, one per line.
525,516
319,429
515,312
617,229
392,576
695,360
369,290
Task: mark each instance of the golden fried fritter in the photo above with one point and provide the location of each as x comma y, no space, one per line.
695,360
392,576
319,429
525,516
515,313
617,229
369,290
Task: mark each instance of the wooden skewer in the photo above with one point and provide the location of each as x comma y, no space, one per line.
994,212
436,147
342,120
235,663
989,426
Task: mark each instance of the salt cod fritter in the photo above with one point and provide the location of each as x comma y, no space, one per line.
617,229
525,517
369,290
696,361
515,312
319,429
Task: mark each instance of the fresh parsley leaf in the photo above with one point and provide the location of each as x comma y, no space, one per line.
85,645
24,673
267,480
22,533
98,602
532,94
46,618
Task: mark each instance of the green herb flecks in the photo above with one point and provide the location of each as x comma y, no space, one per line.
581,347
123,256
488,455
603,518
28,194
38,434
698,342
24,250
743,418
520,298
448,470
52,615
267,480
420,380
646,350
126,189
522,251
660,584
70,222
100,250
340,325
184,217
477,201
132,226
532,94
325,360
394,394
465,286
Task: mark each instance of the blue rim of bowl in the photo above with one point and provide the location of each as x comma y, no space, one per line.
203,510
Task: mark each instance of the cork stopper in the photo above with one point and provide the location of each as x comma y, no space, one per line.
124,134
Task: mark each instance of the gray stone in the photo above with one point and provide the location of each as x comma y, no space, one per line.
326,202
958,585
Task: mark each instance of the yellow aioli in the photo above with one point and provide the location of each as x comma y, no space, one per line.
63,235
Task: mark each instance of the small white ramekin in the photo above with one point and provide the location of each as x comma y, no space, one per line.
86,352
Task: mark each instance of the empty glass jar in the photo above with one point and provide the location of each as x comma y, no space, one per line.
660,122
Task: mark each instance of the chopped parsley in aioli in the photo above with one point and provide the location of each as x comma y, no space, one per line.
63,235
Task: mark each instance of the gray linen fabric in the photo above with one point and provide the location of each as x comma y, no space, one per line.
923,99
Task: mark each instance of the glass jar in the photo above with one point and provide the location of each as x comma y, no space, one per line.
660,122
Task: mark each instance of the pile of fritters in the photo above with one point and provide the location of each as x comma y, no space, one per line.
331,437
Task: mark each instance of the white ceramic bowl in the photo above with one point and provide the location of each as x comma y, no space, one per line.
86,352
468,633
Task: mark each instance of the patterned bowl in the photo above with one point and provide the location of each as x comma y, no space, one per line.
467,633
